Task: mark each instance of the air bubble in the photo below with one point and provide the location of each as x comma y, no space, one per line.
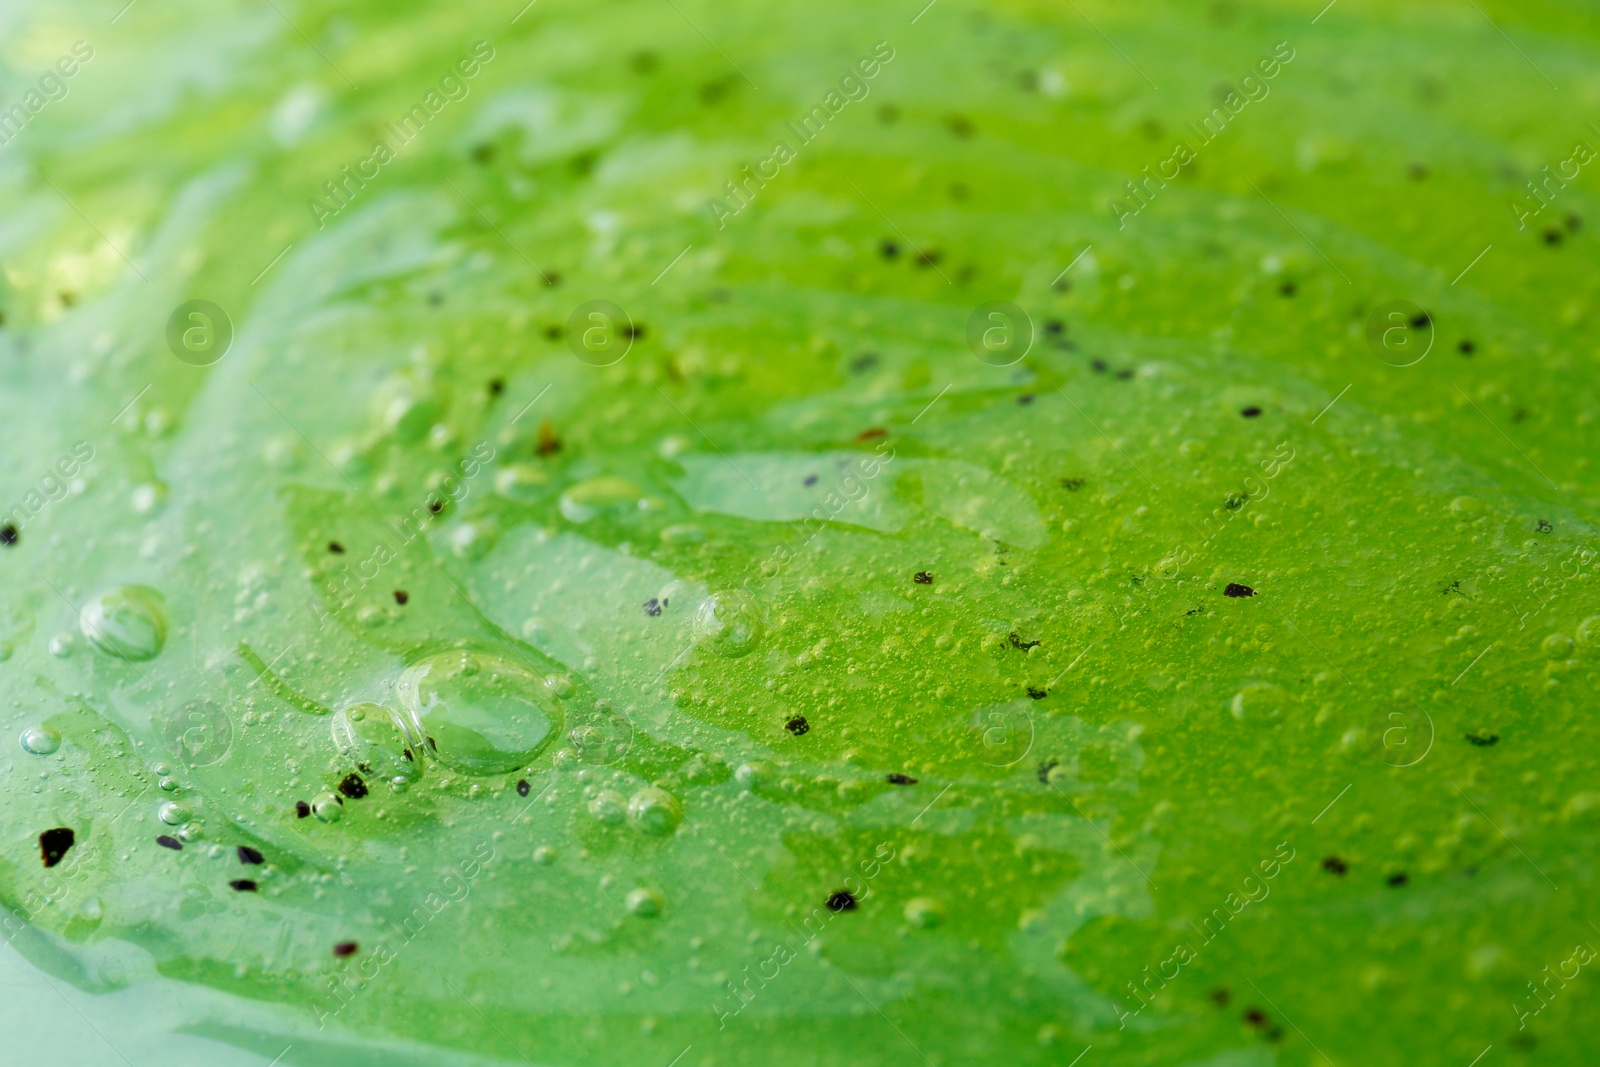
655,811
40,740
127,622
477,713
174,813
729,622
645,903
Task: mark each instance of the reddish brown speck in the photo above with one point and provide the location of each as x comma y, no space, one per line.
872,434
345,948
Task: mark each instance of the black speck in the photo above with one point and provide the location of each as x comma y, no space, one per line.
1398,879
1335,865
889,249
407,754
1124,374
1219,997
301,809
8,535
497,386
436,506
1288,288
250,855
1544,526
53,844
552,333
922,578
401,596
959,125
811,479
652,607
170,842
864,362
1483,739
353,787
929,258
634,330
1250,412
1553,236
1255,1017
1466,348
1055,327
345,948
1099,366
336,548
433,744
243,885
843,900
523,787
1045,767
1025,399
1038,694
1072,485
1235,589
1421,319
901,779
1017,642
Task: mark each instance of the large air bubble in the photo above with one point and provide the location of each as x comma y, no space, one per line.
477,713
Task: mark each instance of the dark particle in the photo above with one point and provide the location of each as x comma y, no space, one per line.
872,433
523,787
1235,589
8,535
1398,879
797,725
401,596
889,249
1045,767
496,386
1255,1017
1018,642
552,333
634,331
1466,348
1335,865
901,779
243,885
1553,236
811,479
1072,485
552,278
1483,739
436,506
652,607
1288,288
170,842
433,744
249,855
1219,997
301,809
1038,694
1275,1034
1098,366
1025,399
1544,526
345,948
922,578
1235,501
864,362
364,768
1055,327
548,441
336,548
929,258
843,900
353,787
960,125
53,844
1421,319
1124,374
407,754
1196,611
1250,412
